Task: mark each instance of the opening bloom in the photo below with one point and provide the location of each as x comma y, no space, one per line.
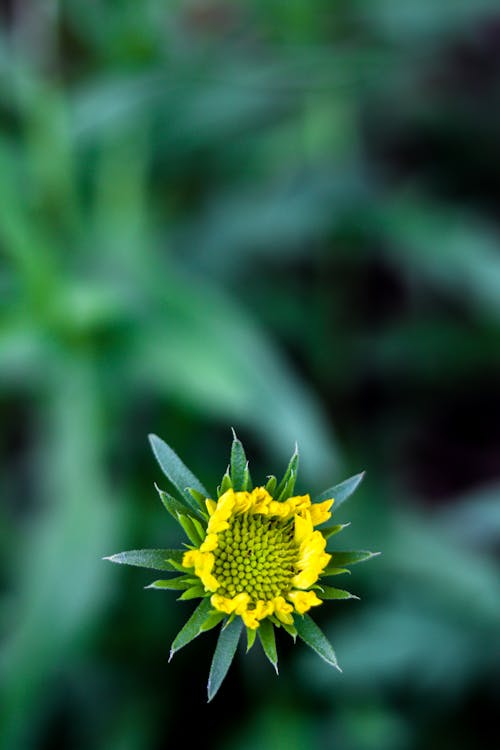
255,557
260,557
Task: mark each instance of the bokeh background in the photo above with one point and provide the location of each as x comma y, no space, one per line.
281,216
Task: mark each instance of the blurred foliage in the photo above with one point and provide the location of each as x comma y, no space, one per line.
281,216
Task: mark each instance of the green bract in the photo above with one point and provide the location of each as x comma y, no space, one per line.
253,557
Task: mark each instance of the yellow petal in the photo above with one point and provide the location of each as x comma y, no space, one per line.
320,512
304,600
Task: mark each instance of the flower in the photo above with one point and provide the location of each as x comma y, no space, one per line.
256,557
259,556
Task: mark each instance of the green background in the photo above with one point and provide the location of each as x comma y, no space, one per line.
280,216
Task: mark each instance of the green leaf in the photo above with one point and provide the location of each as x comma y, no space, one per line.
174,469
247,479
291,630
251,633
223,656
195,592
266,636
225,485
192,532
271,485
329,531
315,639
238,464
158,559
192,628
328,592
288,490
332,570
212,620
351,557
173,584
340,492
287,484
172,504
200,500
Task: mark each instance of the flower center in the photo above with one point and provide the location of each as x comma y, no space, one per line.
256,555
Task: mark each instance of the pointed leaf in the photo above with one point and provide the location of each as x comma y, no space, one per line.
225,485
332,570
247,479
328,592
173,584
329,531
288,489
158,559
192,532
195,592
212,621
172,504
238,464
192,628
174,469
315,639
251,633
200,498
352,557
340,492
291,468
291,630
266,636
271,485
223,656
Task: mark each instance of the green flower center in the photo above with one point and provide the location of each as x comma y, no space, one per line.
256,555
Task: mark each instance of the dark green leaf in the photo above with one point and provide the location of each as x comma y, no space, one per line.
174,469
238,464
192,628
223,656
340,492
266,636
315,639
328,592
158,559
288,482
352,557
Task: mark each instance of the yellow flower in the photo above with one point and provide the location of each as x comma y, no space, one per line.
260,555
